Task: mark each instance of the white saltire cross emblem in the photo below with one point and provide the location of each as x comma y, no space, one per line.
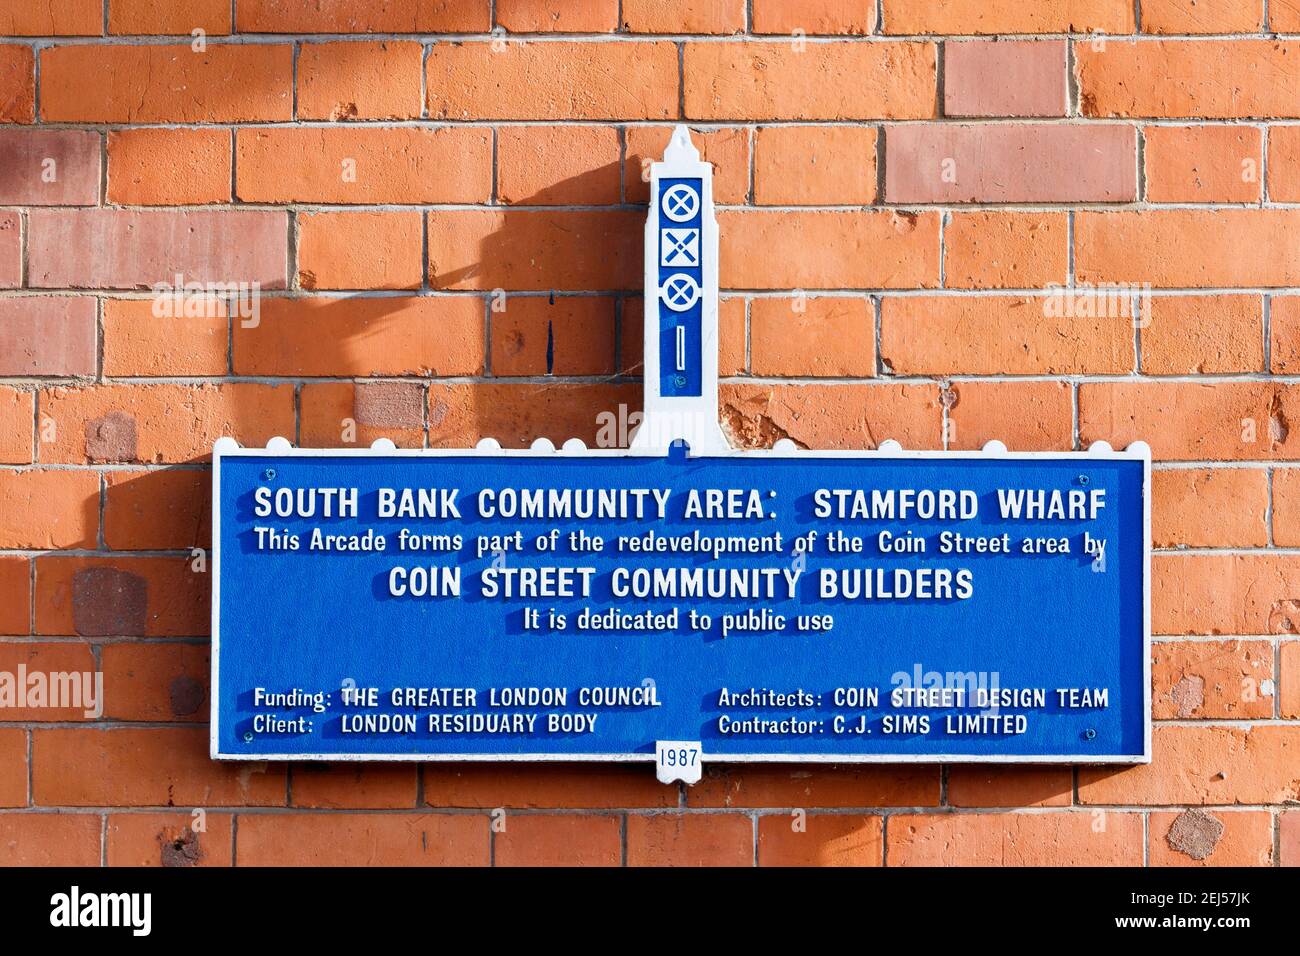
681,203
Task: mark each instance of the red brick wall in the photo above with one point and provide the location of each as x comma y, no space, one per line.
939,185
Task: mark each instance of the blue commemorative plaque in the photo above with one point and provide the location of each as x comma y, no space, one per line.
679,601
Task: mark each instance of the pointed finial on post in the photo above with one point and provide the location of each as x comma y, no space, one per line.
680,148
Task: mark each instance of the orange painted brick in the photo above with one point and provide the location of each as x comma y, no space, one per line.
999,335
16,418
815,81
69,18
1007,16
13,767
49,167
387,335
1284,326
768,249
360,81
47,335
560,80
166,18
1202,334
363,16
820,840
520,250
1224,594
1209,508
135,249
1005,78
130,766
517,415
815,17
364,165
992,249
758,787
1286,507
559,841
831,416
42,509
1202,16
558,165
1211,838
360,250
156,681
1203,163
1015,839
121,596
1284,163
362,839
544,786
51,659
169,839
557,16
690,840
726,150
1284,16
1202,765
815,165
157,510
128,423
50,839
569,335
15,596
18,81
1197,679
683,16
155,337
1196,79
731,337
226,83
1024,416
1289,680
11,250
1193,421
976,786
825,337
343,414
354,786
168,167
1010,163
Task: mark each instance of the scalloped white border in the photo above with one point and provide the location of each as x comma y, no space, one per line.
489,447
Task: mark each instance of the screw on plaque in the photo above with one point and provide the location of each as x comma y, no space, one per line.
1089,734
248,737
679,381
1083,480
268,474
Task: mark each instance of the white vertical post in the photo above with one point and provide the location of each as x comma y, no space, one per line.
681,304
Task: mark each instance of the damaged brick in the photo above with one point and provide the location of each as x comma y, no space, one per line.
389,404
1195,833
111,438
187,696
107,602
182,850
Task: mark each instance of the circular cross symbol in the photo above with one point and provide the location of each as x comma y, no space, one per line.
680,203
680,292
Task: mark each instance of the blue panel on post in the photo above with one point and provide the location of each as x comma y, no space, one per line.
1002,617
681,284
